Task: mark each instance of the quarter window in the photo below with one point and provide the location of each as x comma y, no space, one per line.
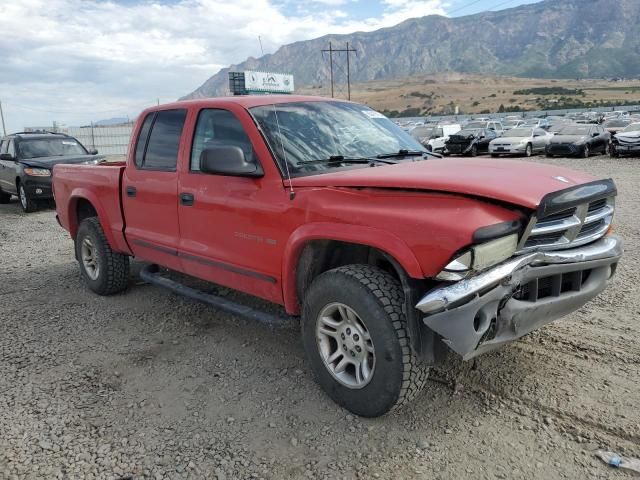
11,149
217,128
141,144
3,146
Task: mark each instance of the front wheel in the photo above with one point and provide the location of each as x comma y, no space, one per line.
357,342
27,203
528,151
586,152
607,149
104,271
474,151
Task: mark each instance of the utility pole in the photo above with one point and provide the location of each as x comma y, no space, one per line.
4,129
331,51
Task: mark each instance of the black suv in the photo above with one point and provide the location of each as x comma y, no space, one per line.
26,161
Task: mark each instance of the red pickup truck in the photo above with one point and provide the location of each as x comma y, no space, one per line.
389,255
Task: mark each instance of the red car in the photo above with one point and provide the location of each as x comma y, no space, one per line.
388,255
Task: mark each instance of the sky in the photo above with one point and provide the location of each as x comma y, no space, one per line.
77,61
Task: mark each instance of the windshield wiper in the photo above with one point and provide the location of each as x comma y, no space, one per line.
343,159
402,153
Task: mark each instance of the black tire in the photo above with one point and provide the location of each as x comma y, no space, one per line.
377,297
495,155
4,197
474,151
549,155
607,149
28,204
585,151
113,268
528,151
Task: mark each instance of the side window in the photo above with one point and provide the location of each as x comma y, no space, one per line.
141,144
218,127
439,133
11,149
164,140
3,146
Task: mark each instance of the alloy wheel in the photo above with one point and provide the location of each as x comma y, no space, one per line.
345,345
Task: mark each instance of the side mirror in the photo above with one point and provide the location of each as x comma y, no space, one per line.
6,156
595,134
228,160
93,151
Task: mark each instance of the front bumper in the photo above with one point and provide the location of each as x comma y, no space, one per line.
484,312
38,187
563,149
507,149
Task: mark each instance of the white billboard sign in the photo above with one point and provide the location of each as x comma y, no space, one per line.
268,82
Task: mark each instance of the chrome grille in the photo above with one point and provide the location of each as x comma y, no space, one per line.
569,228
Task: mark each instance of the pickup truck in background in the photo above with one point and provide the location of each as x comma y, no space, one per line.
388,255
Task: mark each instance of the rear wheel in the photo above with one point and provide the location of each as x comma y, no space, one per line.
104,271
357,342
494,155
4,197
607,149
28,204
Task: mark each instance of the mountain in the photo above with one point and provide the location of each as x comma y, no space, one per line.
550,39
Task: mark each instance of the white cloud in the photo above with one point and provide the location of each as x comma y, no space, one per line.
79,60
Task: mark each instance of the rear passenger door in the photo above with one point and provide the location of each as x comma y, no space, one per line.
150,188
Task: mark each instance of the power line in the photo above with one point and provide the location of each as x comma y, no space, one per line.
463,7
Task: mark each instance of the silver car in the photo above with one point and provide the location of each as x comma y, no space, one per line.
520,141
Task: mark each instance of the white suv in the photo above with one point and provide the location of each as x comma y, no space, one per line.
433,137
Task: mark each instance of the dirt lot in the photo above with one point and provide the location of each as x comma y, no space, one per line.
148,384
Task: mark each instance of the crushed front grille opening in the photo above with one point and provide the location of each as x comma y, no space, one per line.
552,286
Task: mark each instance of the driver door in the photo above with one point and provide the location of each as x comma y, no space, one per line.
230,226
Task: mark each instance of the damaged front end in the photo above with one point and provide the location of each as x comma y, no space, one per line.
565,258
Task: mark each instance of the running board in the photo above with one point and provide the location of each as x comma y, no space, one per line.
150,274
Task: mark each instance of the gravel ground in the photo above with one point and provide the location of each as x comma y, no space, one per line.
147,384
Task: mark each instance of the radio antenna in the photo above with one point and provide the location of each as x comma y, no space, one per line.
292,194
261,49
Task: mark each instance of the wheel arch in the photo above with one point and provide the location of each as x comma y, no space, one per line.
85,204
313,247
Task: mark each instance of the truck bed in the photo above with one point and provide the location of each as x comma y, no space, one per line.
101,186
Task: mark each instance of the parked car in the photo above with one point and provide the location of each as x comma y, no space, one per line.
433,137
469,141
613,126
389,257
627,141
538,123
582,140
520,141
509,124
494,125
26,160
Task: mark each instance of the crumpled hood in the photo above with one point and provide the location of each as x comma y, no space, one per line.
566,139
49,162
512,181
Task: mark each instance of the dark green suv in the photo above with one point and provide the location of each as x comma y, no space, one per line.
26,161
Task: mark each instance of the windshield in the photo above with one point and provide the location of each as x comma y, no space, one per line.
520,132
303,132
49,147
423,132
471,125
512,123
634,127
575,130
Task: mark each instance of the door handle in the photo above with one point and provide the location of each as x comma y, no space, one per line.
131,191
186,199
